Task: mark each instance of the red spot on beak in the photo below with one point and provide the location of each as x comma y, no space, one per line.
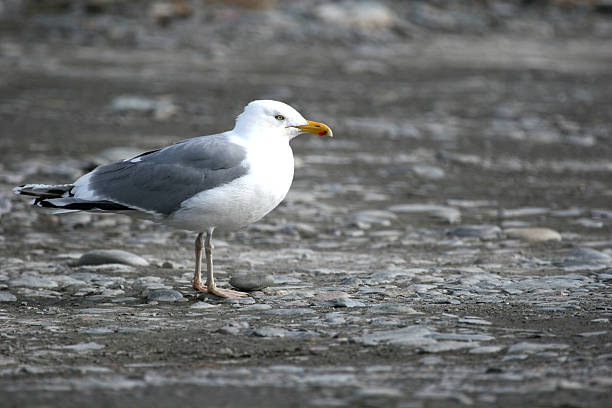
323,133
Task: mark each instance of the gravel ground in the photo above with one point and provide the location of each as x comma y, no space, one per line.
449,247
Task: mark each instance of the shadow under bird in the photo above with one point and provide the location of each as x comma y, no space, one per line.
223,181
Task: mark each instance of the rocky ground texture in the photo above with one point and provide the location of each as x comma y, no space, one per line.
451,246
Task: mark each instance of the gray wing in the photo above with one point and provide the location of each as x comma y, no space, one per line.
160,180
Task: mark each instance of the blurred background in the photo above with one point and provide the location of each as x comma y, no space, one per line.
429,99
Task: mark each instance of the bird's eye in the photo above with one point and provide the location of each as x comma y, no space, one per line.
279,117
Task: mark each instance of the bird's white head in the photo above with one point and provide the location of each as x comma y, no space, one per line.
279,118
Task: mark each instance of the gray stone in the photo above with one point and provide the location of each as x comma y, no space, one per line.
392,308
533,234
431,360
164,295
240,301
372,217
378,392
251,281
479,231
81,347
7,297
588,223
407,336
368,15
428,171
288,312
345,302
593,334
469,337
523,212
528,348
486,349
442,346
351,281
475,321
202,305
111,256
448,214
588,255
33,282
257,307
270,332
605,277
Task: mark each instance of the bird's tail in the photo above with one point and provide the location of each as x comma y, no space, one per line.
60,199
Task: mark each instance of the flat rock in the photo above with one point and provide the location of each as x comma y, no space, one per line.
270,332
588,255
605,277
445,213
251,281
523,212
479,231
486,349
290,311
392,308
368,15
33,282
111,256
533,234
407,336
345,302
525,347
442,346
7,297
164,295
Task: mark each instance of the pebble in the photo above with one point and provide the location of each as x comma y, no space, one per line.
449,214
345,302
589,223
111,256
378,392
431,360
367,15
391,308
533,234
529,348
443,346
270,332
7,297
164,295
486,349
240,301
289,312
588,255
33,282
257,307
593,334
475,321
408,336
202,305
364,219
81,347
522,212
250,281
480,231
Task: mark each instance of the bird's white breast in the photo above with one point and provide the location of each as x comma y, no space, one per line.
246,199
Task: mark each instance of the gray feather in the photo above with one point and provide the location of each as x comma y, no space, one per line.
160,180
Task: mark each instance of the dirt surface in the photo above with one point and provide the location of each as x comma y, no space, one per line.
404,271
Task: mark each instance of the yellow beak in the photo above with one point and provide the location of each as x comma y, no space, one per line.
320,129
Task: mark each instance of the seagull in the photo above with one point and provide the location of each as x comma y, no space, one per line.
224,181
